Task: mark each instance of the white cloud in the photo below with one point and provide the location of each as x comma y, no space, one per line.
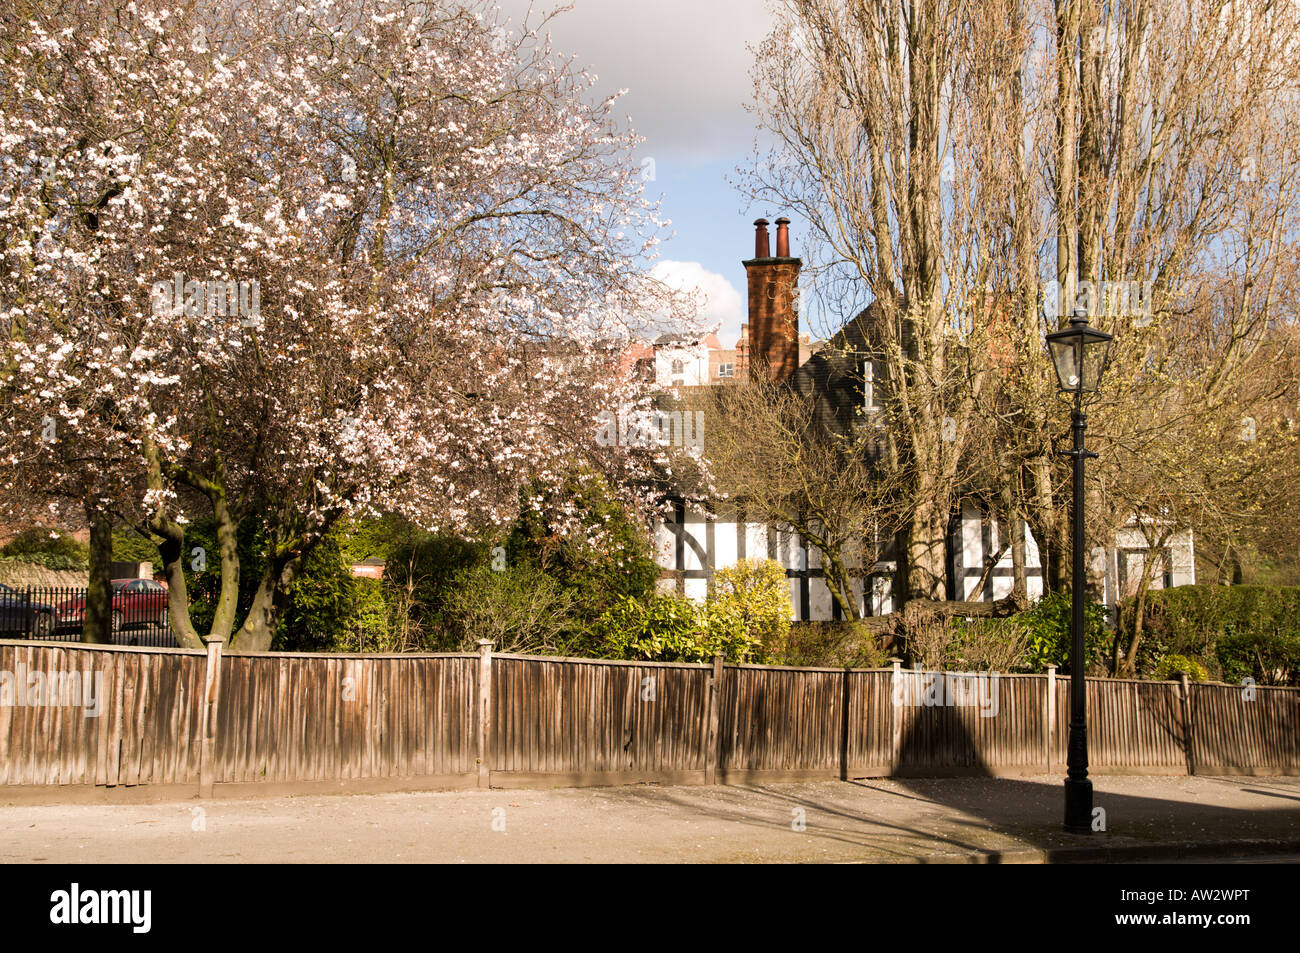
685,63
722,305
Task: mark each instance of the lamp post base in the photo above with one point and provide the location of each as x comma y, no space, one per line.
1078,806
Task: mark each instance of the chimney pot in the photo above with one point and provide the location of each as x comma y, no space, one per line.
762,247
783,237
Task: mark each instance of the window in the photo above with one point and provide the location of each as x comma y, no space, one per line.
872,373
679,367
1130,564
726,370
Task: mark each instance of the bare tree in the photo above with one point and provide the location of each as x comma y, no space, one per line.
771,455
979,171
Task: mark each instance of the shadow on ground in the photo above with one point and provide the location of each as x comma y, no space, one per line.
978,813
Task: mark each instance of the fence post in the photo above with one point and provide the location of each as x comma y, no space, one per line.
484,716
845,696
1186,700
896,718
1050,720
211,705
712,742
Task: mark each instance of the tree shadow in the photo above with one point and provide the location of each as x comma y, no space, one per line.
946,800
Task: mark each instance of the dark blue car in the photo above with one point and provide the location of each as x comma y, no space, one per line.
20,613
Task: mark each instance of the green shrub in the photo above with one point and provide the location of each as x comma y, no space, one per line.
48,548
368,621
1028,641
990,645
1270,659
1171,667
325,603
518,609
1238,631
599,554
541,590
131,547
755,594
419,578
663,628
1047,625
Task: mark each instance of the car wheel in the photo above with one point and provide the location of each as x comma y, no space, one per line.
44,626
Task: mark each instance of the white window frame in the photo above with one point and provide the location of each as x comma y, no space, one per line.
870,403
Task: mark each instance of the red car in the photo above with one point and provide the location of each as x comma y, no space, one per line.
135,602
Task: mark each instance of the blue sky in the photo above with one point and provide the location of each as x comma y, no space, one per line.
687,68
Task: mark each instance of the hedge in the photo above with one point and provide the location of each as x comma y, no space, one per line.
1235,631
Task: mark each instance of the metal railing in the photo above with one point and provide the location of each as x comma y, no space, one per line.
57,613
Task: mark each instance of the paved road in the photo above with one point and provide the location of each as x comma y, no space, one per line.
880,820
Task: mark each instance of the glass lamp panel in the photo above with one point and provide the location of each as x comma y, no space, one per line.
1065,356
1094,362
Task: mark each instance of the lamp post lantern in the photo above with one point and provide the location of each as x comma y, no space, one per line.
1079,354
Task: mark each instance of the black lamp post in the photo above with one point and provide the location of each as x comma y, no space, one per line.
1079,354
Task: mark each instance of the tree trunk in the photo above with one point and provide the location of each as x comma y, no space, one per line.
1019,580
991,561
1090,174
223,621
926,551
840,584
97,627
269,601
1014,529
1047,526
1067,106
172,549
1139,613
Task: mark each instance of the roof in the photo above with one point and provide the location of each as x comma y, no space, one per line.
833,375
708,339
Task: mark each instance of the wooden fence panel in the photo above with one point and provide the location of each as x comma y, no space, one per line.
144,709
1134,727
1013,740
582,721
781,723
287,718
869,745
1235,731
962,723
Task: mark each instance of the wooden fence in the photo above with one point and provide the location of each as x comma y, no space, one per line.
115,716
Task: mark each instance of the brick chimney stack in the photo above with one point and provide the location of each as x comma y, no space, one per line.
773,344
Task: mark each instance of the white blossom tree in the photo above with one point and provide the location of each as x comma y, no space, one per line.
430,235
